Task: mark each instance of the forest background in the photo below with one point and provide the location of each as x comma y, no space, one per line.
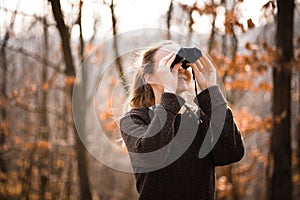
62,60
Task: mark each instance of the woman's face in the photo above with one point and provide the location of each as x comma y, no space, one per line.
184,75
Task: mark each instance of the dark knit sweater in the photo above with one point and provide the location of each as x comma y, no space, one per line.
188,177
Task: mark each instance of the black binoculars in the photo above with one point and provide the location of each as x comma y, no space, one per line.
186,55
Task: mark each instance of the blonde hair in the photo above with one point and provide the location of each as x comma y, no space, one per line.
142,94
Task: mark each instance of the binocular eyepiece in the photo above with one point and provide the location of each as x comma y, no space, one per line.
186,55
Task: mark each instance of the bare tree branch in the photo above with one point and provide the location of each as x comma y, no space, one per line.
3,131
35,56
94,30
70,71
36,17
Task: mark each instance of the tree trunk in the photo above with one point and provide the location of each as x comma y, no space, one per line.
70,71
281,184
298,135
212,34
169,17
3,123
65,37
118,59
44,179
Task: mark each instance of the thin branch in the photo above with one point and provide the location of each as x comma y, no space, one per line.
81,52
36,109
33,108
35,56
36,17
95,31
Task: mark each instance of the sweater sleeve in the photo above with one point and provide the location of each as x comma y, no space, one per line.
227,141
142,134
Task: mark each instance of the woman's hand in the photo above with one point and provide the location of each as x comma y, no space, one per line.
205,72
168,79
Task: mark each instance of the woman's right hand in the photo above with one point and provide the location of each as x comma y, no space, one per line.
205,72
167,78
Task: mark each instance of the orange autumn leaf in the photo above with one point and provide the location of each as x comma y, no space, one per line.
15,93
4,126
105,115
43,144
280,117
250,24
89,48
69,80
229,21
269,4
60,163
255,153
33,87
110,126
246,121
229,17
72,154
46,86
266,87
248,46
209,9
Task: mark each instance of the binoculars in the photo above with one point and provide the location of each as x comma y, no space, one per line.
186,55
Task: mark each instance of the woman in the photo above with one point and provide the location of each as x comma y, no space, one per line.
164,136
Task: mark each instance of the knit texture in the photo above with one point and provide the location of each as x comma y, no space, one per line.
188,177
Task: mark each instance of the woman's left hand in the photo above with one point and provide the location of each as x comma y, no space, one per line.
205,72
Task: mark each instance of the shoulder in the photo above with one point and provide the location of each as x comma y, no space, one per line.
137,111
136,115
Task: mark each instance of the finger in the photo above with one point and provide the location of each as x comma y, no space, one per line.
169,57
204,65
176,67
170,61
205,59
203,62
207,63
172,58
163,63
165,59
202,84
199,75
195,69
199,65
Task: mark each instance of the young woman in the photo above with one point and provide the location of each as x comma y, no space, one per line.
164,136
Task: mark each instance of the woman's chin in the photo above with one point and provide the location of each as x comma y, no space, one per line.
182,87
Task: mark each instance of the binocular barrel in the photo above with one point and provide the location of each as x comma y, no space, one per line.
186,55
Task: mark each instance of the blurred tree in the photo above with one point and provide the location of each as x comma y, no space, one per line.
213,31
70,77
3,123
4,126
298,131
281,184
44,132
169,17
116,48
